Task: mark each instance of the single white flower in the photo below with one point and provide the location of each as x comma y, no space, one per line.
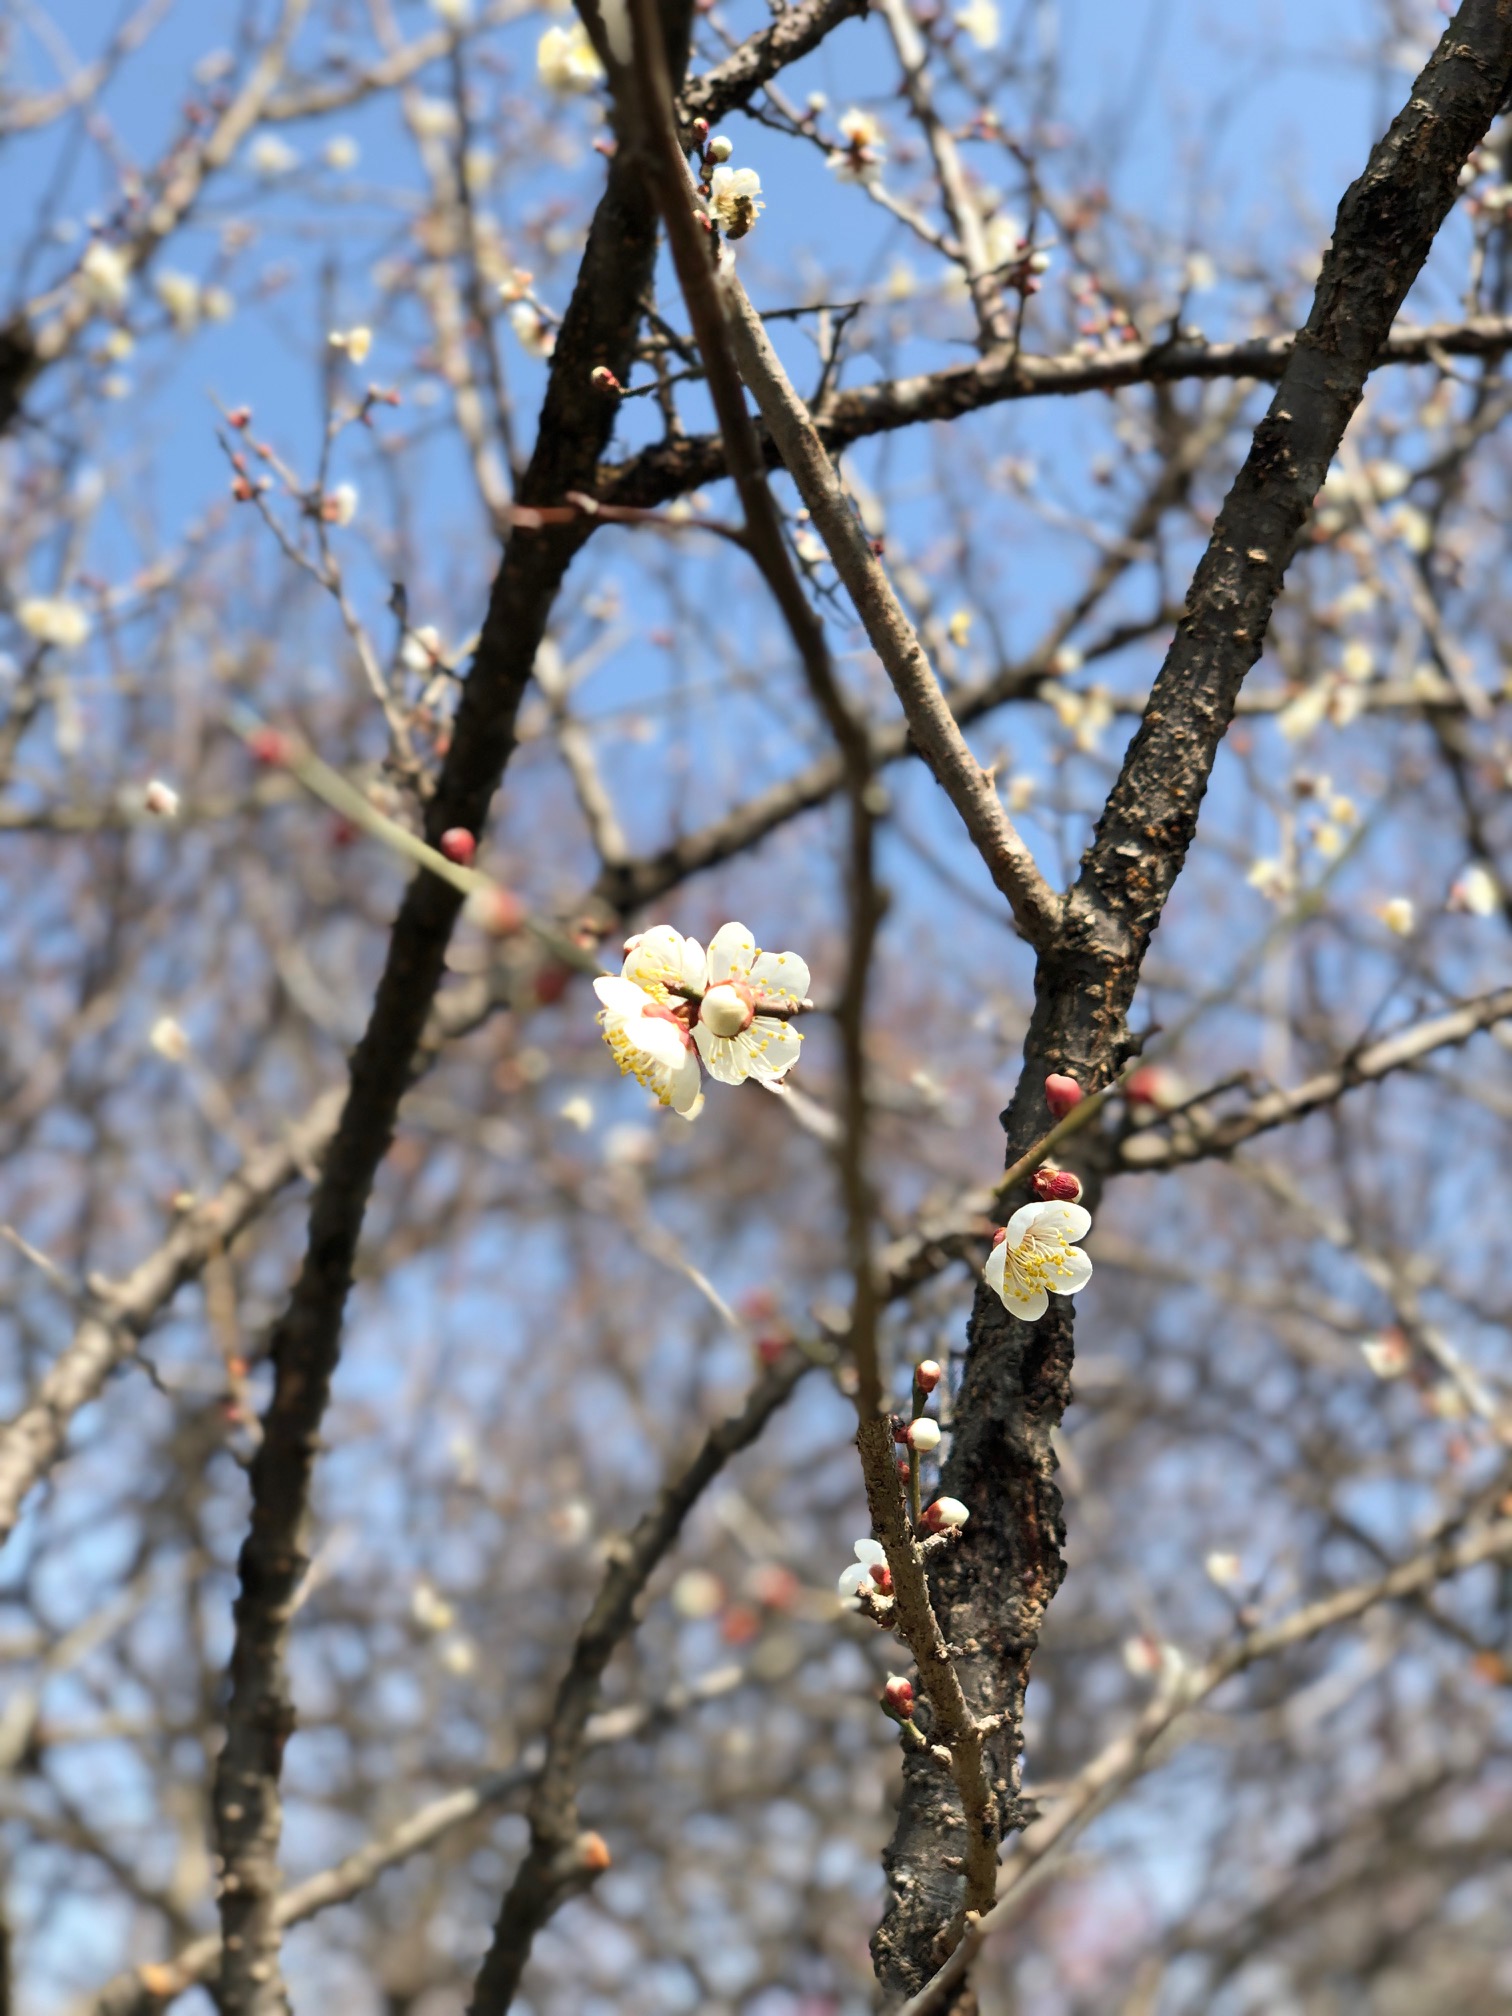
356,342
650,1044
1271,877
1399,915
865,150
870,1568
169,1039
1038,1256
735,1038
52,619
106,274
1226,1570
341,504
697,1594
430,1609
577,1112
1388,1356
1476,892
433,118
341,153
422,649
981,21
735,199
566,61
270,157
459,1656
180,296
534,332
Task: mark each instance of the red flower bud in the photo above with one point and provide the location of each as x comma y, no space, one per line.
898,1695
927,1375
593,1852
458,845
1062,1093
1058,1184
268,745
551,983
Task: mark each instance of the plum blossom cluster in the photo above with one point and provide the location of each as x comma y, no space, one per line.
1035,1255
675,1012
732,195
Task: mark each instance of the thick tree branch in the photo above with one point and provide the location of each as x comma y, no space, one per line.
672,468
599,328
993,1590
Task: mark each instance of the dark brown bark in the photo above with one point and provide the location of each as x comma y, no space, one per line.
992,1592
576,421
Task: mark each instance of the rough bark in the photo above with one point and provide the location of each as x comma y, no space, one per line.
993,1591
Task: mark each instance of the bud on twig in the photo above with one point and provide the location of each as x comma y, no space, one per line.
923,1436
898,1696
927,1375
946,1515
1057,1184
1062,1093
458,845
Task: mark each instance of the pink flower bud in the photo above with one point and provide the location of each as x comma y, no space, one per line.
1062,1093
1000,1235
458,845
269,746
945,1515
593,1853
927,1375
923,1436
882,1576
497,911
1058,1185
898,1695
605,379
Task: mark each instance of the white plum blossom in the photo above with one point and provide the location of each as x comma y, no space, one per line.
870,1569
356,342
53,619
341,504
735,1039
270,157
981,21
1399,915
1038,1255
861,158
1476,892
566,61
1389,1356
650,1044
169,1039
534,332
341,153
735,199
106,274
180,295
1224,1569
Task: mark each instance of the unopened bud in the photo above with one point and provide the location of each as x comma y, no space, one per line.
927,1375
898,1696
721,147
161,799
593,1853
458,845
700,130
772,1346
269,746
1062,1093
945,1515
239,417
605,379
727,1009
1057,1184
923,1436
1389,1355
497,911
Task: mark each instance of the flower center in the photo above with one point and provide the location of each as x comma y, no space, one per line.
1042,1260
728,1009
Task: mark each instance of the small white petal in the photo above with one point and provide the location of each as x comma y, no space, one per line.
992,1273
1074,1220
772,1047
783,975
1076,1272
1028,1308
732,949
723,1059
853,1580
872,1553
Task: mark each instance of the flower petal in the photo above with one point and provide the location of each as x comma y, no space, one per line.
619,996
1074,1220
686,1087
723,1059
783,975
992,1273
1027,1215
661,1041
1075,1272
659,960
1028,1307
771,1047
732,949
852,1580
871,1554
